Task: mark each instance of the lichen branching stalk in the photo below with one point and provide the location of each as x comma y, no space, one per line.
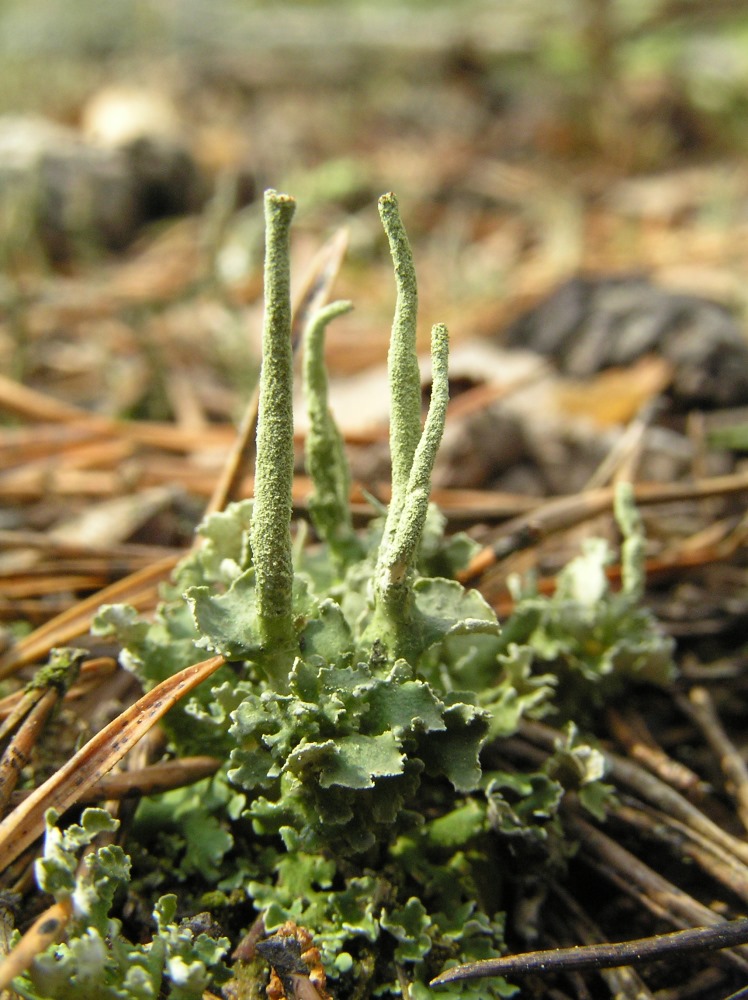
326,461
402,361
271,520
408,529
394,621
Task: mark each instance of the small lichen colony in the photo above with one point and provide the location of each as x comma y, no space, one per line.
361,687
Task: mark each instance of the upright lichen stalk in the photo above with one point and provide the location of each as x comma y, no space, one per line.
394,622
402,361
271,519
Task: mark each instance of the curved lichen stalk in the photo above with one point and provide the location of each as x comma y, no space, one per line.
326,463
402,360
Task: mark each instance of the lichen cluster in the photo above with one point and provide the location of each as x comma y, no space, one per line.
361,689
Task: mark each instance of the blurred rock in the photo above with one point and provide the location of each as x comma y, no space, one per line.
144,125
63,197
59,193
593,323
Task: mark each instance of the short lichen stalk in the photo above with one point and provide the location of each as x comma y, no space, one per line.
271,519
326,463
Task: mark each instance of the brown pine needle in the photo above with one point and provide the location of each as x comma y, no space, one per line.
149,780
22,827
136,589
18,752
45,929
699,705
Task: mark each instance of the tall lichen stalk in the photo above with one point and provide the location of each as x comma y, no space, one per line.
271,519
413,453
326,462
402,362
394,622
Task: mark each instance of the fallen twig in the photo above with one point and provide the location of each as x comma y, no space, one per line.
565,512
603,956
699,706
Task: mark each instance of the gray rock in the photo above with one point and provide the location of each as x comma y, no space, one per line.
592,323
70,197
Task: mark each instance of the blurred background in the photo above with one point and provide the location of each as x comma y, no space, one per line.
529,143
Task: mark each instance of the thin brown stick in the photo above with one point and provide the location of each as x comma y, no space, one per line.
604,956
703,983
565,512
666,798
137,589
670,902
623,981
629,728
13,707
651,789
657,825
18,752
699,706
148,780
718,863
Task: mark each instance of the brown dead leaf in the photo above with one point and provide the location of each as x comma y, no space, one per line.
616,395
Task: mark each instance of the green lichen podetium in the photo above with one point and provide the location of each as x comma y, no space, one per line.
395,622
326,461
402,361
271,519
413,453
